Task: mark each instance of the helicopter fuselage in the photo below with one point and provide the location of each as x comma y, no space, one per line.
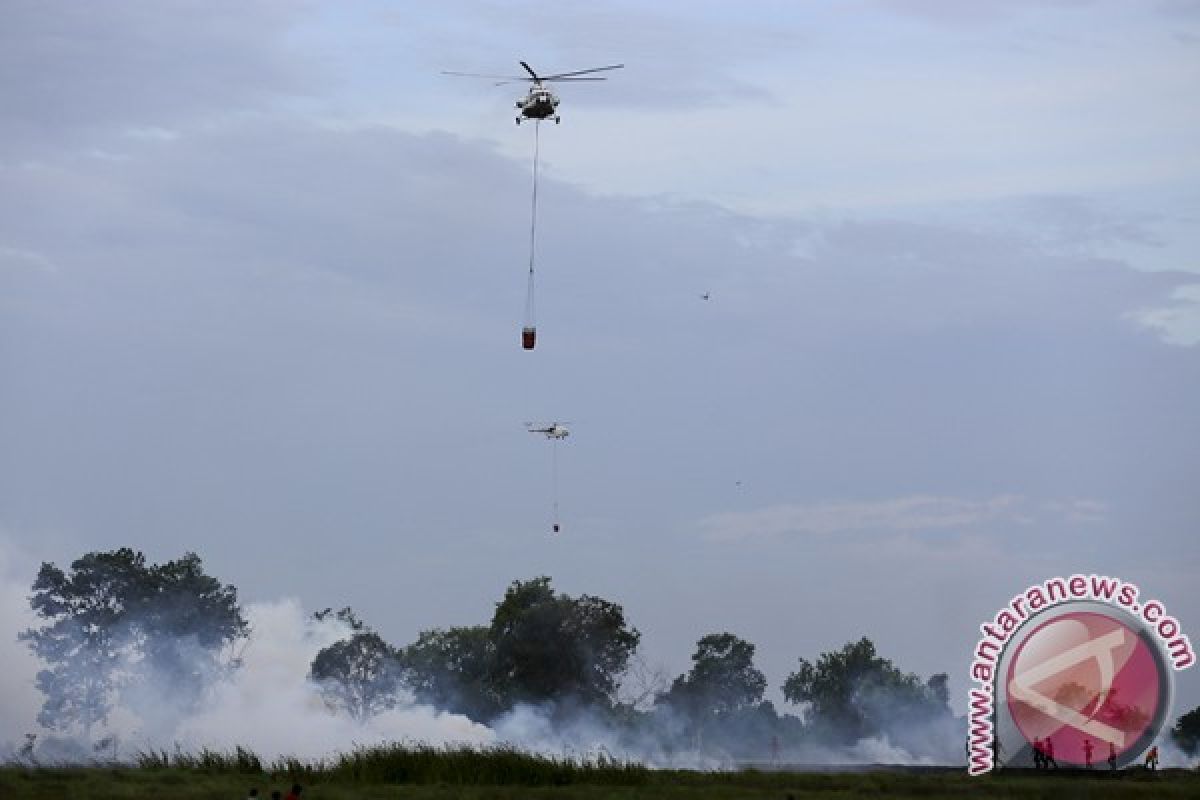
540,103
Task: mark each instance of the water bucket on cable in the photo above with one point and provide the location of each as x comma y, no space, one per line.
528,337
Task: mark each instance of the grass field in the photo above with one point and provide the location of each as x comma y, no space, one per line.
400,771
178,784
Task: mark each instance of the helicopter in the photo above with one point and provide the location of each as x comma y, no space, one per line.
555,430
540,103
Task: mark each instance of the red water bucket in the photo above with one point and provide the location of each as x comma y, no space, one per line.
528,337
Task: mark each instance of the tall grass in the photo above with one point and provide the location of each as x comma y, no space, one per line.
501,765
241,761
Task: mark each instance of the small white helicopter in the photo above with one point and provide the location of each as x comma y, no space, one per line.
555,430
540,103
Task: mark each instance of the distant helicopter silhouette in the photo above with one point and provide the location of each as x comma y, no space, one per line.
540,103
554,430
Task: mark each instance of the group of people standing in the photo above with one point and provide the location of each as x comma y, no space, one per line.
1043,755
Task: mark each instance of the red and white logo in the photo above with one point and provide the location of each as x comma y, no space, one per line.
1087,685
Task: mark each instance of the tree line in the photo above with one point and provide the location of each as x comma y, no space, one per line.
117,629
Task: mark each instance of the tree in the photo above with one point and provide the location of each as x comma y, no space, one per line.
541,647
1186,732
449,669
550,647
854,693
118,626
360,674
85,610
722,679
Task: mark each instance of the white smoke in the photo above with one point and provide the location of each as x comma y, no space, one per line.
584,736
271,707
19,698
866,751
268,705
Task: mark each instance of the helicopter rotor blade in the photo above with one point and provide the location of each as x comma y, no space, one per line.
479,75
558,75
567,80
529,69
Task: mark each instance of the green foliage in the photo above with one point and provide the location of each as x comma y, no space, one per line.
449,669
553,647
502,765
113,620
542,647
241,761
722,679
496,766
853,693
1186,732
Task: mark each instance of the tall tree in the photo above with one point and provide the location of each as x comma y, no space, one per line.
551,647
541,647
118,626
722,679
854,693
81,643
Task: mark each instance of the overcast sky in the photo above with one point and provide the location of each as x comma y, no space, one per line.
262,278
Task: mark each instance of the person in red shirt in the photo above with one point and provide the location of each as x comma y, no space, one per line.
294,794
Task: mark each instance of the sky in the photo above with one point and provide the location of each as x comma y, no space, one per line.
262,276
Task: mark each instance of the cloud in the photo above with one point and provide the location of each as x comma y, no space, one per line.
1177,323
1071,220
975,14
915,513
272,336
70,72
673,60
283,285
16,258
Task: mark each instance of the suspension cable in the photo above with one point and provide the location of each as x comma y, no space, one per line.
530,319
554,485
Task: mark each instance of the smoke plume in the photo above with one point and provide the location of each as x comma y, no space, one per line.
267,705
